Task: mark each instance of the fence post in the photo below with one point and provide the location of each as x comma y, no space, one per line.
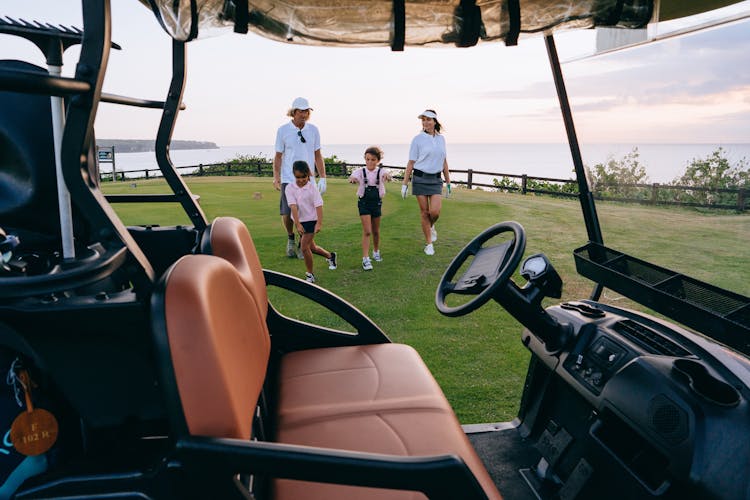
260,171
523,183
654,193
146,173
343,169
113,162
469,178
741,200
200,169
228,169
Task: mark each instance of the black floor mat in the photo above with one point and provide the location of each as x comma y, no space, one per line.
504,453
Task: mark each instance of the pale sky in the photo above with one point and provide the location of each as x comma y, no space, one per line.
691,89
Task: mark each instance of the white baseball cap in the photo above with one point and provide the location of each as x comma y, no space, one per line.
301,103
428,114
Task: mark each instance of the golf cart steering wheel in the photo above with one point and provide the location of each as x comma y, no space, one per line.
491,268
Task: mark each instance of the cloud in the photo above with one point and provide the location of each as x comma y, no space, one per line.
709,63
700,68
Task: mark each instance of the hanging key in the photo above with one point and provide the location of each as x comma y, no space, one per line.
34,431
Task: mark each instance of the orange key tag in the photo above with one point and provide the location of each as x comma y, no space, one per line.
34,431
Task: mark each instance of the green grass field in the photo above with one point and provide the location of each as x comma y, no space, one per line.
478,359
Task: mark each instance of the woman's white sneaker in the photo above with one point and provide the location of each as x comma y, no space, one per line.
366,264
310,277
429,249
376,256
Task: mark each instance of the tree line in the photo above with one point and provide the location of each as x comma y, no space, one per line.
143,145
703,181
711,180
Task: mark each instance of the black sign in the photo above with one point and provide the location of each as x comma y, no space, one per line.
106,155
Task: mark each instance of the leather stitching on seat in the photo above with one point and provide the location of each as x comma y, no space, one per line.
327,372
399,438
333,370
379,376
359,413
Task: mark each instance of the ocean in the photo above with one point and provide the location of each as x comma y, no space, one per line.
663,162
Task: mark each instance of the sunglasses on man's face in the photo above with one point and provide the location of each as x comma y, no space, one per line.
301,137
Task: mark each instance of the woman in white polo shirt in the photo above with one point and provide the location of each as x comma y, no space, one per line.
427,159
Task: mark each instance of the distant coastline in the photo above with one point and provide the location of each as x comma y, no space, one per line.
144,145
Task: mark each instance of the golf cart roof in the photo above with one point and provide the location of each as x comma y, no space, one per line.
412,22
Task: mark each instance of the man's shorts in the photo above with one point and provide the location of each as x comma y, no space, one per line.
283,205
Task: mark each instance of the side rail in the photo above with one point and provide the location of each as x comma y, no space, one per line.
441,477
291,334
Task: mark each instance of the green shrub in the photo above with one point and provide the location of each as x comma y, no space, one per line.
506,184
711,174
255,164
618,178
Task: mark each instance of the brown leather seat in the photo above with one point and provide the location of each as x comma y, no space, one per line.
218,345
376,398
229,239
405,432
315,383
311,380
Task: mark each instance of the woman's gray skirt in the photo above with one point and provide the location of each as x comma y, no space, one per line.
426,185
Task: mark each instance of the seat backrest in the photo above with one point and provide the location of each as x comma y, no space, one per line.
28,192
228,238
214,343
28,186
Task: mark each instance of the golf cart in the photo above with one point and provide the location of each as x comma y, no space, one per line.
148,361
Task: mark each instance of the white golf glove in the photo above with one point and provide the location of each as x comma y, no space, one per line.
322,185
404,188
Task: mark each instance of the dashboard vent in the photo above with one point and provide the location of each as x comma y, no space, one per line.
649,339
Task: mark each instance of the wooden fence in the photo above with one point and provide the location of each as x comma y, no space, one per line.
647,194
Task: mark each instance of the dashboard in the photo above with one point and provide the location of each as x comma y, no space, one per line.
634,406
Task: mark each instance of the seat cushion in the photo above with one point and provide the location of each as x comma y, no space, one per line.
316,383
412,432
377,398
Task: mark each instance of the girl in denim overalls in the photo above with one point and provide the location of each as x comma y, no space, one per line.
371,179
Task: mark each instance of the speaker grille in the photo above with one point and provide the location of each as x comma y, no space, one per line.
668,419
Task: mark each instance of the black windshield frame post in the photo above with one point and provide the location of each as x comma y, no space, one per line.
166,126
585,196
78,137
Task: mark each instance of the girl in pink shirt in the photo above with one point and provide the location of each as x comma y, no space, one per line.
306,205
371,179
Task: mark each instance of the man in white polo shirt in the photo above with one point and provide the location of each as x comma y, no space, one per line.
296,140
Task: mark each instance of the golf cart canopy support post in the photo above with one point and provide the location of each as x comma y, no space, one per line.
593,229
